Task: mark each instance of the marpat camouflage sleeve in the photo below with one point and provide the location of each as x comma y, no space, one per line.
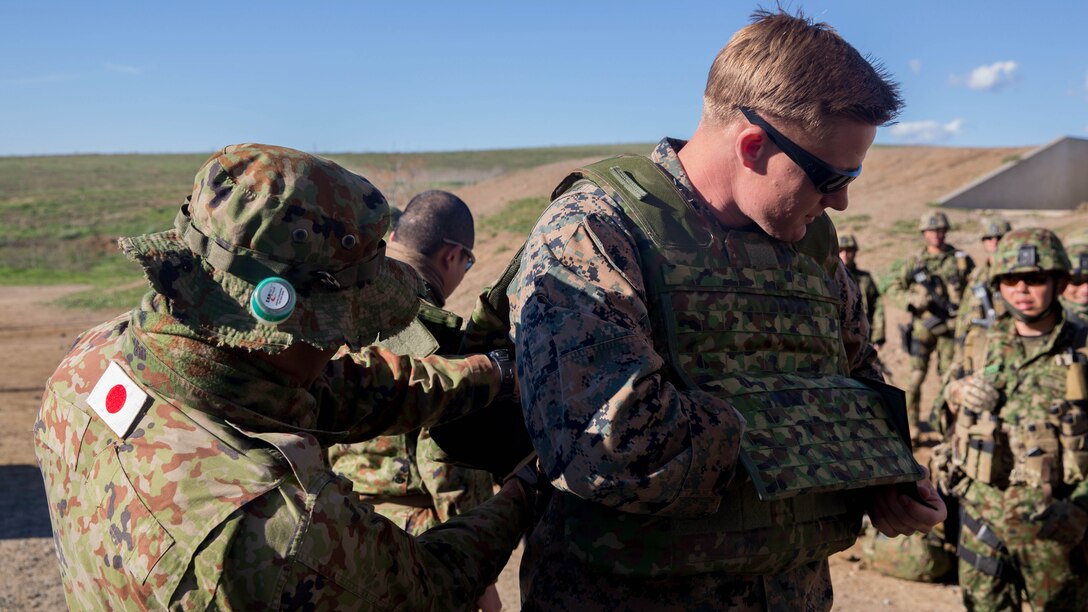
855,328
608,425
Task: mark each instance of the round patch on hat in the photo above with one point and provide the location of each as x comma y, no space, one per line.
273,300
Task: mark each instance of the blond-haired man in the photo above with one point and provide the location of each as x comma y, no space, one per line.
683,325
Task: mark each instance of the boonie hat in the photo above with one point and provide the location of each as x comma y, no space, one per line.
276,246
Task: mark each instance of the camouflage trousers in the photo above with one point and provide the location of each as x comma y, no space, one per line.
1005,564
552,578
922,347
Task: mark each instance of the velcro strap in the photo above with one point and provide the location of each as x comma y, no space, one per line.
253,267
991,566
981,531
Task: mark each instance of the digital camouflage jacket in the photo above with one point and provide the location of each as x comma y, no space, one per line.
219,495
871,304
613,428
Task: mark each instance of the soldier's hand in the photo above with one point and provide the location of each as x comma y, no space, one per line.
973,393
1063,521
893,513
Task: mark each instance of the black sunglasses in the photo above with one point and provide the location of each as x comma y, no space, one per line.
826,178
471,257
1031,279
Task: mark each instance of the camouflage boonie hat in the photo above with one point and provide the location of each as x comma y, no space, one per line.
847,242
995,227
297,231
933,221
1029,250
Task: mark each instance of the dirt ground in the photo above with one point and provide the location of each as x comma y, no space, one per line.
34,336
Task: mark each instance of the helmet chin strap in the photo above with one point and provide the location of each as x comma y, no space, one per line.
1023,318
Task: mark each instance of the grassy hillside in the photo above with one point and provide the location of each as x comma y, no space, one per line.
60,217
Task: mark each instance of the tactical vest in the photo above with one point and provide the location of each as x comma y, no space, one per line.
756,321
130,537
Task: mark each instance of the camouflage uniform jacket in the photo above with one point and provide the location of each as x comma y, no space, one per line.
951,267
1031,380
871,303
606,419
220,495
403,475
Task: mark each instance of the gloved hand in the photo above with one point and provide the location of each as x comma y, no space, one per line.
973,393
1063,521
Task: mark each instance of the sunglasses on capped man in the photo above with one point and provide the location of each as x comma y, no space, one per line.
826,178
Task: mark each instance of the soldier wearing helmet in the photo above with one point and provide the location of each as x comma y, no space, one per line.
934,281
182,444
978,306
1017,444
1075,296
871,304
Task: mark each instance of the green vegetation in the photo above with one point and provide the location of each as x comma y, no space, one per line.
518,217
1010,159
501,159
105,298
60,216
904,226
856,219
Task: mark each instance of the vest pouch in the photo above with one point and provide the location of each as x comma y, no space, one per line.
1073,436
965,420
987,452
1038,454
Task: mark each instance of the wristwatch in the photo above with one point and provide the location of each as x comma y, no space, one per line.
500,358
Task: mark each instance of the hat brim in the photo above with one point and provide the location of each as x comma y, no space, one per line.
215,304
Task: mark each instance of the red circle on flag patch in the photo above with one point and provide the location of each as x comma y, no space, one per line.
115,399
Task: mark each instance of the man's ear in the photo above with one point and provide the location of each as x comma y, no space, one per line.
752,148
448,256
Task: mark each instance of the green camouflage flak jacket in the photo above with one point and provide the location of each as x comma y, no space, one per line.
1007,490
181,476
624,442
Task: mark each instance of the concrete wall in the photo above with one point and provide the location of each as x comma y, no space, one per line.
1054,176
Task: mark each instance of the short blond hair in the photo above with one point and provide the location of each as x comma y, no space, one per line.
795,69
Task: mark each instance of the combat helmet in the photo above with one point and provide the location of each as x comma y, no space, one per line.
848,242
1030,250
276,246
995,227
1078,259
933,221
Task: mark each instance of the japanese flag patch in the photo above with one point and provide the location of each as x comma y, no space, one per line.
117,400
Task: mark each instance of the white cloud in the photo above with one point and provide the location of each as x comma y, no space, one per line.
925,132
915,66
43,78
123,68
993,77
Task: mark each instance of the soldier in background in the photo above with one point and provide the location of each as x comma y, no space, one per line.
1017,447
670,311
871,304
183,444
1075,297
934,281
403,475
978,305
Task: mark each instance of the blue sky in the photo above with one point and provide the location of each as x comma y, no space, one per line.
84,77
